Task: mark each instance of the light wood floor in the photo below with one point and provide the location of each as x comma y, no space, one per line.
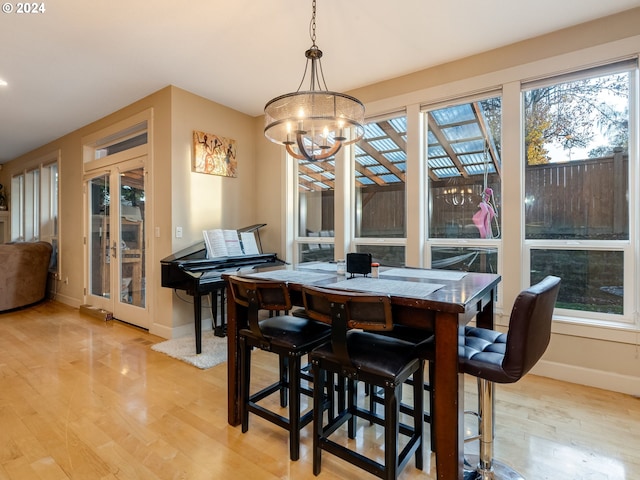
85,399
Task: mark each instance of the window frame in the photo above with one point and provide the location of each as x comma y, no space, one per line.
357,242
431,242
630,315
513,251
35,205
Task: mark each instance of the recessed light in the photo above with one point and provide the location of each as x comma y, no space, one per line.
3,83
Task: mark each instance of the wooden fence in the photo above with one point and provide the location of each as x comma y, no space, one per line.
578,199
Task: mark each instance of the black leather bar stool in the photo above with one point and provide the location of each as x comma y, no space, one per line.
495,357
358,354
422,339
288,337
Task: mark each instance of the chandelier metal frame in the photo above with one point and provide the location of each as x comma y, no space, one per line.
314,124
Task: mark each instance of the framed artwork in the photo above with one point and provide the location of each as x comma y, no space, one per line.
214,155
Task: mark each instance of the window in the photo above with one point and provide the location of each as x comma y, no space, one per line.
316,200
464,168
121,141
380,193
34,206
577,170
49,209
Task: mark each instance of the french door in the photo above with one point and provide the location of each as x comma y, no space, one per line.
116,241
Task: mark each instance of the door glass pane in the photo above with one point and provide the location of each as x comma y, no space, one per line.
99,247
132,245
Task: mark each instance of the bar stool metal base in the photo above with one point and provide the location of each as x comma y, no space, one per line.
500,471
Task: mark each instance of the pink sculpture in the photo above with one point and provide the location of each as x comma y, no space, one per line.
483,217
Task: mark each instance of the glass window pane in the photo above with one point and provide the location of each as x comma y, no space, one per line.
315,252
592,280
99,246
121,141
132,245
32,206
577,163
466,259
17,208
316,186
464,161
380,166
388,255
49,210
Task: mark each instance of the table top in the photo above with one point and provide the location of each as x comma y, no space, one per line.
434,289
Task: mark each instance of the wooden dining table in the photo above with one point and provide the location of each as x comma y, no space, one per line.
437,300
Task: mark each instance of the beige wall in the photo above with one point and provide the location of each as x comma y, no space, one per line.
200,201
180,197
71,217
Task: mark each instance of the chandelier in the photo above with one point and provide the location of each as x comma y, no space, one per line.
314,124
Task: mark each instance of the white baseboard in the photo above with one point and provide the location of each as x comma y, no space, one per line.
180,331
70,301
593,378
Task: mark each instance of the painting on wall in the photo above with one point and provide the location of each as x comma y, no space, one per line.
214,155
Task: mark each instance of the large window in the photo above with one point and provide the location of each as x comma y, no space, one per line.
379,186
523,179
577,170
34,206
464,168
316,194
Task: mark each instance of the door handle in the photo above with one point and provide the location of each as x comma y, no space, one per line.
114,250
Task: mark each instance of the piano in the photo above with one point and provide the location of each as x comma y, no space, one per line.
191,271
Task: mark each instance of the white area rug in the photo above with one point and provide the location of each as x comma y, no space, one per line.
214,350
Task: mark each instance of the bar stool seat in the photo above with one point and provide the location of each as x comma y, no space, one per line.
495,357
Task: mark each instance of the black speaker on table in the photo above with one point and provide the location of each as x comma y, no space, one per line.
359,263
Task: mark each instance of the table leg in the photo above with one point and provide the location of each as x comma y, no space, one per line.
233,363
220,331
485,317
448,399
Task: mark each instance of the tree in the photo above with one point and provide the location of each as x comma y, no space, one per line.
572,115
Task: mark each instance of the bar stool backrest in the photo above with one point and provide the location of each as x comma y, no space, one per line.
354,310
256,295
530,327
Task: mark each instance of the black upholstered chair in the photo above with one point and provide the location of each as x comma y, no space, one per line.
287,336
495,357
357,353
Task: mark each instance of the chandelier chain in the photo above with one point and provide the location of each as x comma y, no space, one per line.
314,124
312,26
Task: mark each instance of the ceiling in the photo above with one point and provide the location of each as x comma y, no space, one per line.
80,60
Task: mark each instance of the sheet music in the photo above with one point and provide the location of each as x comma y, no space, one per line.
214,240
249,244
232,242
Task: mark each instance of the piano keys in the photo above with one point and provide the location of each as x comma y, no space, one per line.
191,271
